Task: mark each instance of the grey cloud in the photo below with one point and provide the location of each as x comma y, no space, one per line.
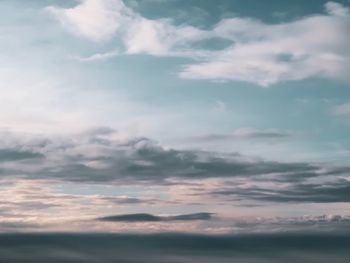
96,156
18,155
153,218
324,223
29,205
144,161
295,193
13,227
123,200
242,134
126,200
85,159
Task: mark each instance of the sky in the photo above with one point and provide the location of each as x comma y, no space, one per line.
154,116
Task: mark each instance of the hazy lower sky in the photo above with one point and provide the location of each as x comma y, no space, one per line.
197,116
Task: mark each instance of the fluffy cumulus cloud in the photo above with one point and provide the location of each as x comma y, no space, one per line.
161,38
314,46
99,20
93,19
337,9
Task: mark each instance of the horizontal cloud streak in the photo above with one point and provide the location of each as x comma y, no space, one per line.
315,193
342,110
152,218
243,133
17,155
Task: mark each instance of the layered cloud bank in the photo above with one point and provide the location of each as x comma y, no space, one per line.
100,180
103,155
314,46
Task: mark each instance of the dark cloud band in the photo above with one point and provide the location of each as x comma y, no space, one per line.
152,218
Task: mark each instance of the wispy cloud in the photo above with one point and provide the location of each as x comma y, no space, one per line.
267,54
342,110
293,193
243,133
98,56
315,46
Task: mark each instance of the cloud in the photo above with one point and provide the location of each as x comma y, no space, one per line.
256,52
152,218
336,9
93,19
144,160
13,227
32,205
17,155
295,193
307,223
161,38
253,133
98,56
46,205
99,20
243,133
266,54
125,200
102,156
342,110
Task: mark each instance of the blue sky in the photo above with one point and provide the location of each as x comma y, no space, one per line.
170,107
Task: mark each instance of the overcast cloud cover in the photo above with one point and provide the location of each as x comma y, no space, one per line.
225,123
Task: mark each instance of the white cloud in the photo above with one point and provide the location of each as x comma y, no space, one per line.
93,19
336,9
160,37
267,54
99,20
343,109
98,56
147,36
260,53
